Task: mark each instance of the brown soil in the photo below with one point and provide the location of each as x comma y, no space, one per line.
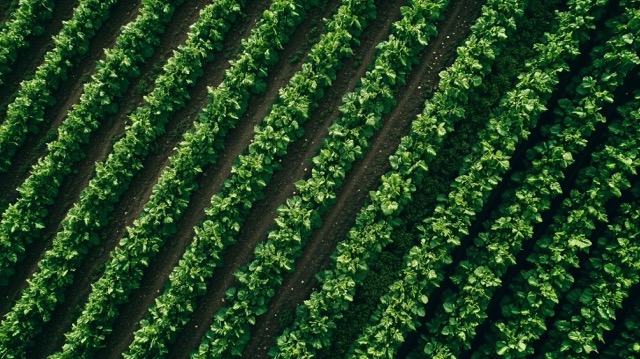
35,147
364,176
31,57
67,94
294,165
101,143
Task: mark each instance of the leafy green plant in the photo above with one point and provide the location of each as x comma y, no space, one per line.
495,249
403,305
592,302
375,221
536,291
627,344
26,112
25,22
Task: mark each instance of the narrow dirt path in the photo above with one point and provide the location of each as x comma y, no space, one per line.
281,186
25,158
30,58
209,183
102,141
363,176
67,94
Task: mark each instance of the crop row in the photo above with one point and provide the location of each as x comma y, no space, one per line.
26,113
477,278
23,221
511,121
170,195
627,345
81,223
25,22
316,317
537,290
360,116
249,176
591,305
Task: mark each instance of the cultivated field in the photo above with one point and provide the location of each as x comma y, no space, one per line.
319,178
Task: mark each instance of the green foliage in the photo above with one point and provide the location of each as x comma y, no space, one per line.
510,123
495,249
368,274
627,344
556,252
591,305
250,175
23,220
26,112
25,21
374,223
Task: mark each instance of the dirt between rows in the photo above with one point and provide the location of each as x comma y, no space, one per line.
101,143
261,216
32,56
364,176
209,183
68,93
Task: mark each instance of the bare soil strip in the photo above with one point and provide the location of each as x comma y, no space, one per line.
67,94
35,147
127,210
281,186
364,175
30,58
